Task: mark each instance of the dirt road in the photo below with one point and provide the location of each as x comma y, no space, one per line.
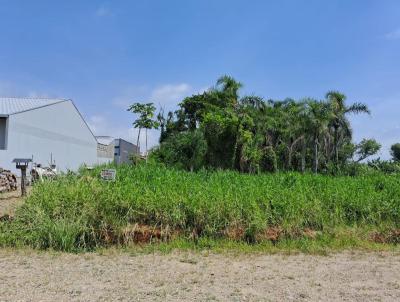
183,276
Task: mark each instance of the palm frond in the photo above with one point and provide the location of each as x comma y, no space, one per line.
358,108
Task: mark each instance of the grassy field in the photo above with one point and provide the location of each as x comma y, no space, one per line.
155,204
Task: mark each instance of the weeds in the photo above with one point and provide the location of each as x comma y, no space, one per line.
150,203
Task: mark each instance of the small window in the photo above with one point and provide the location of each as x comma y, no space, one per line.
3,133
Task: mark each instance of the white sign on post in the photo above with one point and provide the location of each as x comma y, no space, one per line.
108,174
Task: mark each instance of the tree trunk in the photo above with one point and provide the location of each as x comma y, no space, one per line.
146,145
290,152
290,158
235,147
242,161
315,166
234,153
303,157
335,146
138,142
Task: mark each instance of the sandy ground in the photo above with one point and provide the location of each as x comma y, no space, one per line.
9,201
187,276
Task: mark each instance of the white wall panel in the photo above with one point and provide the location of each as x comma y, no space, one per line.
56,131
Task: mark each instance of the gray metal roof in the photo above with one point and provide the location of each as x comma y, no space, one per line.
10,106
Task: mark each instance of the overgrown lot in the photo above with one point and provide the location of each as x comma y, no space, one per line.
150,203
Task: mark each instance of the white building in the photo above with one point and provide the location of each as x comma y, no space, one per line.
115,150
105,149
45,130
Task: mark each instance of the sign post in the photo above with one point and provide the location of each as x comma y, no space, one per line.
22,164
108,174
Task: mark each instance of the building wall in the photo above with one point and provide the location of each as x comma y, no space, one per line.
124,150
105,151
56,131
3,133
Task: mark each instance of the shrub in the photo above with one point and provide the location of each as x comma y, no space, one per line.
183,150
384,166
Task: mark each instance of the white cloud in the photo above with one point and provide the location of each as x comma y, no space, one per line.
102,126
103,11
393,35
202,90
167,96
170,94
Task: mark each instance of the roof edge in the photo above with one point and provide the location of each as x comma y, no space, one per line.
55,103
129,142
83,119
18,112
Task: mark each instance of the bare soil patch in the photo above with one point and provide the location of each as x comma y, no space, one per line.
9,201
189,276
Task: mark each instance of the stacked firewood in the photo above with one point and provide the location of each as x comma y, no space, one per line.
8,181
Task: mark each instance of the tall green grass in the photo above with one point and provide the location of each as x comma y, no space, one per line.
80,212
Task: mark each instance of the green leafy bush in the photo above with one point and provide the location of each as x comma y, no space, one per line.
384,166
184,150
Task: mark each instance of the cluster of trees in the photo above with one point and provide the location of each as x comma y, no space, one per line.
220,129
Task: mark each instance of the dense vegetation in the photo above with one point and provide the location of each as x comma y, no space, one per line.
226,139
151,202
218,129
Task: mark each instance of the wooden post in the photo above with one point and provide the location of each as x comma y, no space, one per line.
23,181
22,164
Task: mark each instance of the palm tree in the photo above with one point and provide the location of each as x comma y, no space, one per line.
303,127
317,122
229,87
339,122
295,129
144,120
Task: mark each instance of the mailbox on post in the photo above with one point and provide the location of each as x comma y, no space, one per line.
22,164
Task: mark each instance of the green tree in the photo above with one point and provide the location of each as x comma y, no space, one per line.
185,150
145,120
230,88
250,134
317,120
367,148
269,160
339,123
395,152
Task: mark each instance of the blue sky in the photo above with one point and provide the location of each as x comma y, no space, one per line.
106,54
